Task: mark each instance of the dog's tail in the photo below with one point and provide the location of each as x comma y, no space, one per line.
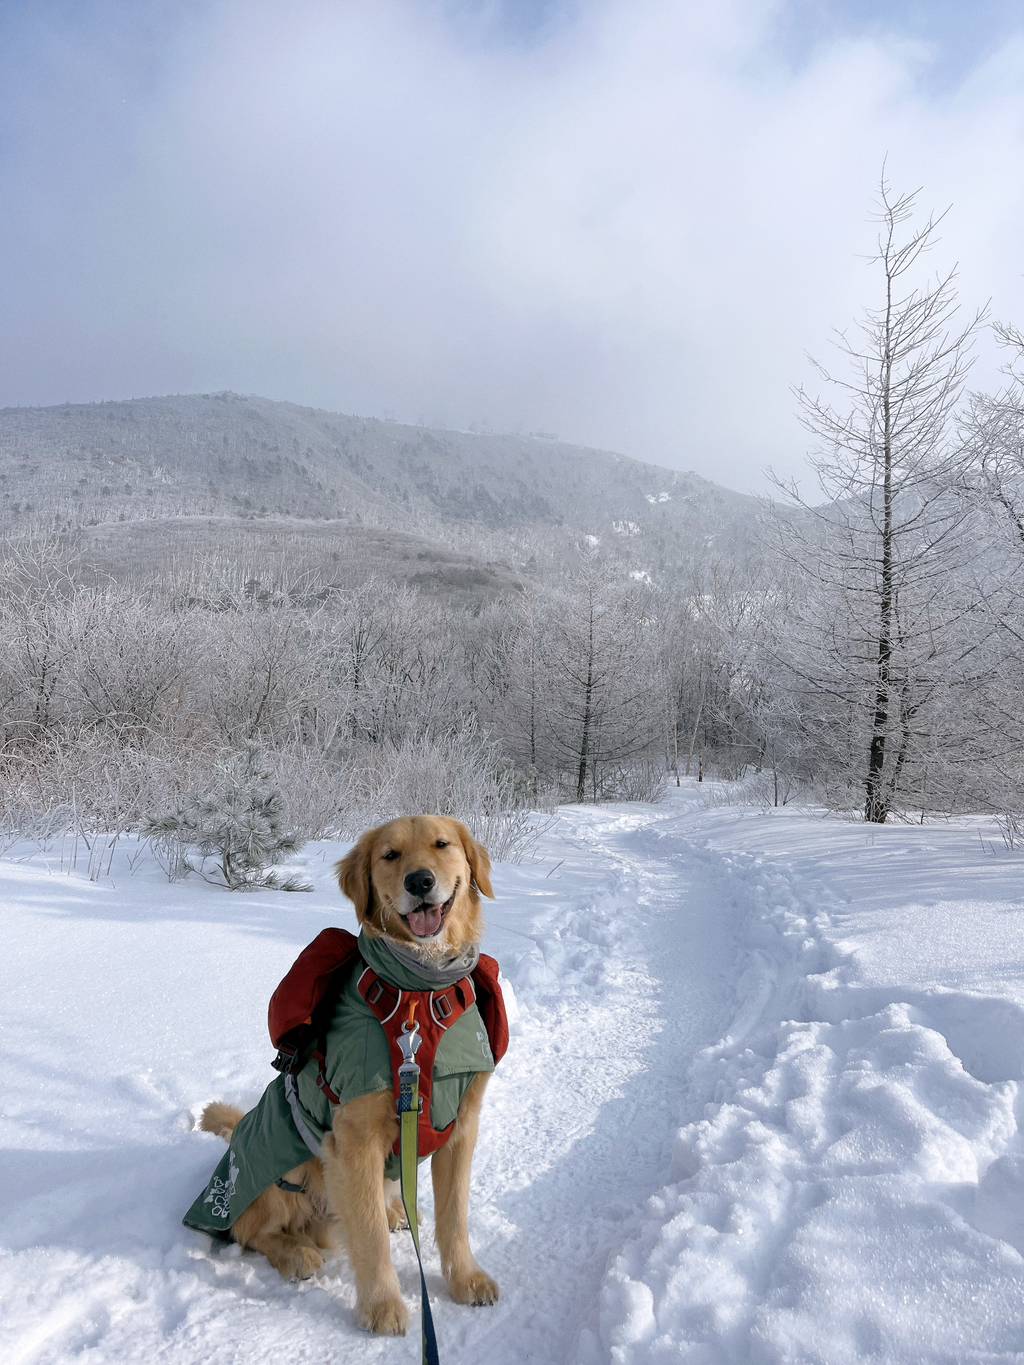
221,1119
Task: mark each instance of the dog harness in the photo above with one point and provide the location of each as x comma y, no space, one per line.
298,1025
434,1012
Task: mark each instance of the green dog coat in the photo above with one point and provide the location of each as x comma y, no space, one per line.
267,1142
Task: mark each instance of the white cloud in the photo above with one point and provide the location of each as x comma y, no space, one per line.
629,232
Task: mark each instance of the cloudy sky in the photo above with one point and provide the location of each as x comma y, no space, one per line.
625,221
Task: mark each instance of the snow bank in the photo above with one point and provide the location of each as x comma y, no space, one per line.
855,1189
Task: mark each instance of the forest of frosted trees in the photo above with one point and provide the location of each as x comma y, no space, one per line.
868,652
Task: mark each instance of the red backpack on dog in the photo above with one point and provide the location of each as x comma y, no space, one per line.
301,1008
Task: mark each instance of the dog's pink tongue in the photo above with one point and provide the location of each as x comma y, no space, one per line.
424,923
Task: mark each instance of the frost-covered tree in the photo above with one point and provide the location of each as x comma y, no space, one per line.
240,824
994,429
260,670
524,727
878,631
601,700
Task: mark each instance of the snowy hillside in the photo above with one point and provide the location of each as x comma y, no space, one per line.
761,1102
200,455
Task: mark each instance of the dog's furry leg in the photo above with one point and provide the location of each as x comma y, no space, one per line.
274,1223
293,1255
364,1132
324,1232
450,1170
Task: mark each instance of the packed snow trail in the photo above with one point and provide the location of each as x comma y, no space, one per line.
622,960
600,1087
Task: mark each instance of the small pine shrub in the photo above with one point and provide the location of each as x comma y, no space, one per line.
240,825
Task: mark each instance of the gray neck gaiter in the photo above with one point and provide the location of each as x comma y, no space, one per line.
405,968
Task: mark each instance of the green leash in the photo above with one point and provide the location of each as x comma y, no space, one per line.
408,1119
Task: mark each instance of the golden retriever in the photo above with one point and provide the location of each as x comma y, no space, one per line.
440,915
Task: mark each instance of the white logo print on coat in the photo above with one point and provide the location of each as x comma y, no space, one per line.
222,1192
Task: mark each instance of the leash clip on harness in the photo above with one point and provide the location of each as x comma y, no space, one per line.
409,1041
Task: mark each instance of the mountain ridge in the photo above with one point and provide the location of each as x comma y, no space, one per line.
70,466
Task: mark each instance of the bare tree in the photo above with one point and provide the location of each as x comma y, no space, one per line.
601,695
875,638
994,429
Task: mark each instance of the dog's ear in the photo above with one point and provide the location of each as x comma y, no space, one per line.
478,858
354,876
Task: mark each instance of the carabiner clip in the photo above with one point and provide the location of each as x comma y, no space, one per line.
409,1039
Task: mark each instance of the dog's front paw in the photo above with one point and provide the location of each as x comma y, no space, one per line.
298,1262
477,1288
387,1317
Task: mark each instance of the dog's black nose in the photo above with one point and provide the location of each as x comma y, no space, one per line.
418,883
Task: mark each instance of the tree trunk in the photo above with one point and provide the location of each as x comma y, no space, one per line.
588,702
356,684
696,729
876,806
907,711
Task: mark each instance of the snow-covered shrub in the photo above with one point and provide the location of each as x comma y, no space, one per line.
458,772
509,832
762,790
240,824
1011,827
171,856
770,787
22,816
641,780
315,787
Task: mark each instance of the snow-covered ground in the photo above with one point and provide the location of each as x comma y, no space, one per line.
761,1102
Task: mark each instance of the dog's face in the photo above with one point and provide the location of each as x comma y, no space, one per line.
417,880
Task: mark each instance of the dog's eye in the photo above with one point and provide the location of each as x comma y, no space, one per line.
441,843
391,855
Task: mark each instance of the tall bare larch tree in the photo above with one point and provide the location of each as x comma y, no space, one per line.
877,639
